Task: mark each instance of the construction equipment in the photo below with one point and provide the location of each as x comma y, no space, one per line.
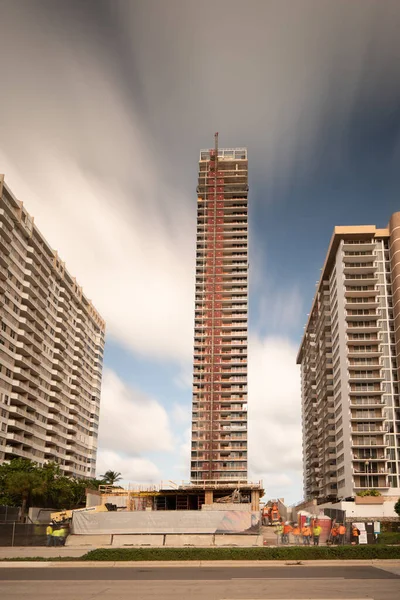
236,497
65,516
271,513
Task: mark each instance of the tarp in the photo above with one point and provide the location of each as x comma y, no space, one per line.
182,521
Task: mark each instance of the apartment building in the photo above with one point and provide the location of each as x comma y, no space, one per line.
350,362
51,351
219,418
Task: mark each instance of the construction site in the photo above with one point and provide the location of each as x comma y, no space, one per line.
209,514
218,500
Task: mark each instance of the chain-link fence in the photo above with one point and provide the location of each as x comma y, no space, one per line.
9,514
22,534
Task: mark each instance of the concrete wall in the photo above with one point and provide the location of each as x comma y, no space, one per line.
169,540
228,506
366,511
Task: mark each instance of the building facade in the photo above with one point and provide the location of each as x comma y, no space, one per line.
51,351
219,418
350,362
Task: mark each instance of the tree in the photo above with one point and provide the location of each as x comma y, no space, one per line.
397,507
111,477
22,482
26,485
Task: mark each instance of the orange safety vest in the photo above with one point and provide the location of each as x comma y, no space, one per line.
355,532
306,531
342,530
334,532
296,531
287,529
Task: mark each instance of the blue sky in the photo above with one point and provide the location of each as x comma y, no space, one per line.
104,108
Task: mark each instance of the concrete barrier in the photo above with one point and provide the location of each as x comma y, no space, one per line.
183,540
137,540
244,541
93,541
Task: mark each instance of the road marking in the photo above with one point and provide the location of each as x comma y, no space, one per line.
293,579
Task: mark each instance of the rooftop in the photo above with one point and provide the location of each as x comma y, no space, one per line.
225,154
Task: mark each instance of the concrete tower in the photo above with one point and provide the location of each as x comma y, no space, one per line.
219,420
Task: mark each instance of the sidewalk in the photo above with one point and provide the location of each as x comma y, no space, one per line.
392,566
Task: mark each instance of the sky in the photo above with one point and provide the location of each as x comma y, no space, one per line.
104,106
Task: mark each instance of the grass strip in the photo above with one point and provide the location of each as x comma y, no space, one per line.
294,553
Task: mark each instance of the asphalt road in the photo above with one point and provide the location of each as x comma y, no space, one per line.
192,573
194,583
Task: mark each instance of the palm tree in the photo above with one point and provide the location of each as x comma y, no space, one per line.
111,477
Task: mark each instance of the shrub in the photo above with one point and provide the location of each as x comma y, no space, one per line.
364,493
389,537
294,553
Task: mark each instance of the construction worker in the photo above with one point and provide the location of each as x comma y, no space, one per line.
306,533
62,535
342,533
49,534
279,533
316,533
334,534
287,529
296,534
355,534
56,537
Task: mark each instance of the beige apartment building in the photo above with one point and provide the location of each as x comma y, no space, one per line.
219,418
350,363
51,351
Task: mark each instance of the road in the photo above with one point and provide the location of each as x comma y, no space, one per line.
210,583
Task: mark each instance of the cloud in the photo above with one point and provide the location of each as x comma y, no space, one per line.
275,437
132,469
130,422
102,118
181,414
88,173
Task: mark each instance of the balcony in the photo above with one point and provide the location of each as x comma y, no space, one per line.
23,335
358,389
360,376
366,402
378,443
362,327
367,418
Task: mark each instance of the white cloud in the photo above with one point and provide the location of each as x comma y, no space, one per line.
275,452
184,453
132,469
181,414
89,174
130,422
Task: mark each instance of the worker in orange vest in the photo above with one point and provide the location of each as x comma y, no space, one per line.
355,534
334,534
306,533
342,533
287,529
296,534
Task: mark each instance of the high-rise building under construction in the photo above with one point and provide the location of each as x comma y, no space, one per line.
219,419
